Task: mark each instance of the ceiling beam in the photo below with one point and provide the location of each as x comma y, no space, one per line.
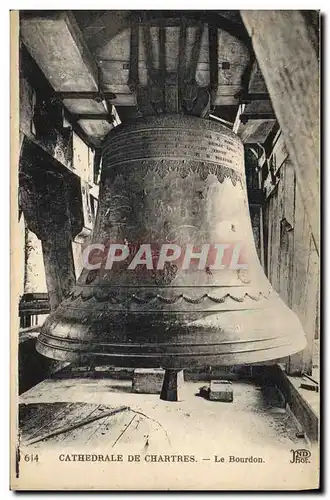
53,38
94,116
97,96
213,60
245,117
31,71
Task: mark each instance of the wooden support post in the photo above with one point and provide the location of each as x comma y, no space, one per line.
285,49
46,204
304,283
59,269
86,225
34,271
172,385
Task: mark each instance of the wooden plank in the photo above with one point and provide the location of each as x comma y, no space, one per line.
305,286
288,61
85,434
96,129
141,433
287,186
274,240
43,418
55,418
26,412
73,423
84,105
270,234
279,153
293,262
257,82
74,436
137,434
303,361
109,429
255,131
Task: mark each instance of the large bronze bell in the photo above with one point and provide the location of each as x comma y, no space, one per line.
179,180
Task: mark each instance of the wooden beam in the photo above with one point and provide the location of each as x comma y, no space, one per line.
59,266
57,45
195,52
39,83
213,59
82,75
133,78
237,122
288,60
88,140
97,96
250,97
245,117
94,116
246,77
234,29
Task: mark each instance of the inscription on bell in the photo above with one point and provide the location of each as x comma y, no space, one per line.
210,147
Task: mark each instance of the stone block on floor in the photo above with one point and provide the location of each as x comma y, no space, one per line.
221,390
147,380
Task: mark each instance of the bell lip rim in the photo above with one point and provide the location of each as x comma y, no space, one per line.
181,361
